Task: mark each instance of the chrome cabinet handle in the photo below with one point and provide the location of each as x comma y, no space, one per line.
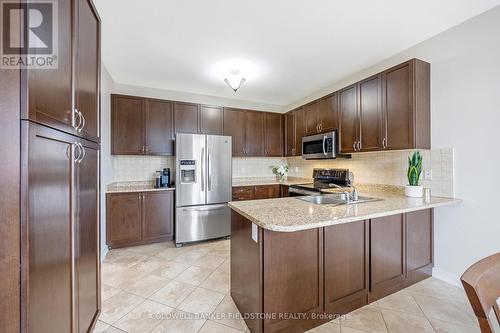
76,152
324,148
384,143
202,167
80,119
354,145
81,122
84,153
209,167
359,145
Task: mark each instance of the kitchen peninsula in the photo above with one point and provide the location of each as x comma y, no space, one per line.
295,259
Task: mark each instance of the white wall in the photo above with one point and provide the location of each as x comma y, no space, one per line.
107,87
194,98
465,88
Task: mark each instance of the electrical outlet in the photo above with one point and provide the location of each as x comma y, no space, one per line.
428,174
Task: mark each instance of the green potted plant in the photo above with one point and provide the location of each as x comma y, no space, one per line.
413,189
281,172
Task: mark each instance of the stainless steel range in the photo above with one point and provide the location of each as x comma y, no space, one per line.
323,179
203,189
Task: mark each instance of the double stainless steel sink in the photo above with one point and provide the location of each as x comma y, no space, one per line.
336,199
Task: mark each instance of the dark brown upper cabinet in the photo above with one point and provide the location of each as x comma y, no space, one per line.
273,129
370,114
127,135
290,133
234,126
141,126
406,105
348,119
254,133
300,130
87,68
211,120
294,131
66,97
159,127
312,124
328,113
186,117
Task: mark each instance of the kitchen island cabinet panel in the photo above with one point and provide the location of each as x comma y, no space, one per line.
388,255
346,250
419,242
292,261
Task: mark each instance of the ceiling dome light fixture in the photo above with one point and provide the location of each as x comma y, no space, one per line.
235,80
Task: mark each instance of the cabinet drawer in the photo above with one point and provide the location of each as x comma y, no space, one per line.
243,193
267,192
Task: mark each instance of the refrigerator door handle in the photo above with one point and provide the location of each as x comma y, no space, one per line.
204,208
202,168
209,171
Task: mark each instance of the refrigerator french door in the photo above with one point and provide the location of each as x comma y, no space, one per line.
203,189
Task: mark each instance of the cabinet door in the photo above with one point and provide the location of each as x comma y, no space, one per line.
158,215
211,119
311,120
298,256
419,245
186,117
328,113
123,221
370,114
87,229
267,191
159,127
254,133
388,263
234,126
299,130
243,193
50,91
346,285
348,119
284,191
87,68
273,129
398,95
47,228
127,123
290,134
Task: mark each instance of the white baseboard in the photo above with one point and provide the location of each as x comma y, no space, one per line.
104,251
446,277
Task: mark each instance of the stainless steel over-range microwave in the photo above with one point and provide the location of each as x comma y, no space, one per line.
320,146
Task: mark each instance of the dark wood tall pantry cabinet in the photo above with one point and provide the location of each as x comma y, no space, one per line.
59,151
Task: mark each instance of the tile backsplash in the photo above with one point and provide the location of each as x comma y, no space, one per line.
255,166
140,168
388,168
368,168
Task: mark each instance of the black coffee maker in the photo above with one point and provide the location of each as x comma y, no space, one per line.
163,178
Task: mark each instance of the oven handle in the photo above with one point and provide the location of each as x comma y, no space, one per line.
324,149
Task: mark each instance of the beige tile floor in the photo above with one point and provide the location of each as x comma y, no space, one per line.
159,288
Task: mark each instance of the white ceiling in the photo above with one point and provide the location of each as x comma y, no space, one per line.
292,48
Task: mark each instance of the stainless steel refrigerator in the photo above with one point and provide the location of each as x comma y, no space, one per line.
203,187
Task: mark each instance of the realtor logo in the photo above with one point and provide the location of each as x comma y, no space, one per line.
28,34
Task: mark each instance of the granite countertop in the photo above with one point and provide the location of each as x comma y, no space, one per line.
291,214
144,186
256,181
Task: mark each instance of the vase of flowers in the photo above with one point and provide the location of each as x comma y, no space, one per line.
413,189
281,172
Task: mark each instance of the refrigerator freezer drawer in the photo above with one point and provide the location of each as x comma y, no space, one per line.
198,223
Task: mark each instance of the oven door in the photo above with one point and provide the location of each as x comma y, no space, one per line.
318,146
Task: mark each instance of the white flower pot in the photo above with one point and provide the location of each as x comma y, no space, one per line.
414,191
